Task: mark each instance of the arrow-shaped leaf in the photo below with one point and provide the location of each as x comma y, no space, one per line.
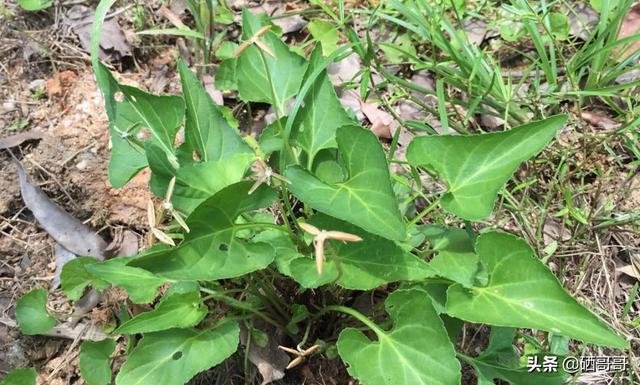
365,198
211,250
415,351
206,130
321,115
476,166
130,113
519,282
174,356
262,77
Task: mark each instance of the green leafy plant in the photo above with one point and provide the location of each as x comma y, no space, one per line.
249,225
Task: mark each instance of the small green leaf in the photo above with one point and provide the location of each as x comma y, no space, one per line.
326,33
35,5
501,361
263,78
32,315
366,198
455,257
94,361
322,114
415,351
559,25
174,356
212,250
207,132
141,285
363,265
401,50
475,167
23,376
75,277
530,293
179,310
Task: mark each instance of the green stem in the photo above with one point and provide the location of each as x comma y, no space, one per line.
355,314
424,212
242,306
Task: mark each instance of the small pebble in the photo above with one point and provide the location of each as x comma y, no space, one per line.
82,165
36,84
8,106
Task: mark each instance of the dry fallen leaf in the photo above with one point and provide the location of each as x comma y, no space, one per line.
476,30
270,361
210,87
382,123
582,19
112,39
631,26
554,231
344,70
600,120
633,269
64,228
18,139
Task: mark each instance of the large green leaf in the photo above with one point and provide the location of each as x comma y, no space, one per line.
415,351
94,361
501,361
475,167
212,250
321,115
363,265
174,356
455,257
22,376
263,78
522,292
197,181
31,313
74,277
366,198
207,132
131,113
178,310
141,285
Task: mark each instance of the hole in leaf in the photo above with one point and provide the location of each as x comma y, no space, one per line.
177,355
223,247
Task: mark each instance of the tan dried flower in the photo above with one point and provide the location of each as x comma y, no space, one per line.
299,354
256,39
168,207
320,236
263,174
